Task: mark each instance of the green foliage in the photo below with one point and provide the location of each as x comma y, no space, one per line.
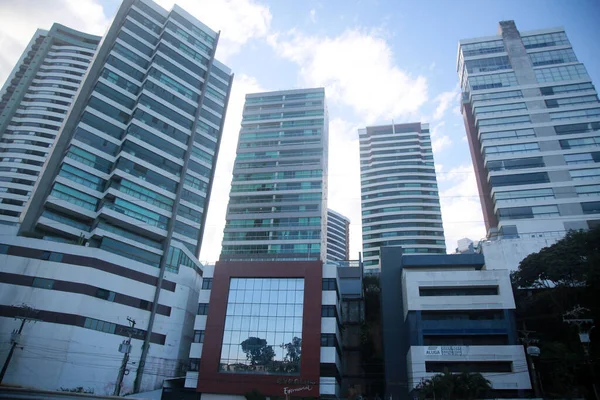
257,351
293,350
549,284
449,386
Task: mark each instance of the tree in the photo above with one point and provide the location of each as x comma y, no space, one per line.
254,395
449,386
257,351
293,351
548,284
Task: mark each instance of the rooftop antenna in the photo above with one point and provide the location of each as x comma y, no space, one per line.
393,128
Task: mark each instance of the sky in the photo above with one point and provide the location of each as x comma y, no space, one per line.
378,61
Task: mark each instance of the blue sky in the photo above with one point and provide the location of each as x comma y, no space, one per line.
379,60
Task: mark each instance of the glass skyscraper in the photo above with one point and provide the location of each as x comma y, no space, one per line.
133,164
399,194
33,104
533,119
278,200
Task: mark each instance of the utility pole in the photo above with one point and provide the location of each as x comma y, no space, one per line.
584,328
26,315
529,351
124,348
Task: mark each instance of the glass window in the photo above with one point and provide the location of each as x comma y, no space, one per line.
126,250
516,163
186,230
582,174
198,336
591,207
582,142
126,68
43,283
96,141
165,111
105,294
488,64
589,190
521,195
148,37
518,119
563,73
582,158
493,81
73,196
102,125
83,178
578,87
173,84
552,57
503,135
170,98
512,149
577,128
576,114
154,140
510,94
459,291
263,326
207,283
158,124
475,49
203,309
520,179
528,212
498,109
120,81
554,103
545,40
175,70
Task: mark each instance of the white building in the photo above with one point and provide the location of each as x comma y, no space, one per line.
532,118
338,236
400,200
452,313
33,104
82,298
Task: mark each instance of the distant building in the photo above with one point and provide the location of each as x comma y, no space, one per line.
400,200
278,201
466,246
532,118
451,313
34,102
338,236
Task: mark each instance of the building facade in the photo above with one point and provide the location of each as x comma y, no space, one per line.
33,104
451,313
261,327
400,201
278,200
81,299
129,178
338,236
132,167
532,118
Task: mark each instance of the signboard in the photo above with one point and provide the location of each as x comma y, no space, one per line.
443,351
307,385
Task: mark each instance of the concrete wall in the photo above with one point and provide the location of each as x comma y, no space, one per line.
55,355
508,253
518,379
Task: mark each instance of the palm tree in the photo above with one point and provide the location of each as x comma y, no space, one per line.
449,386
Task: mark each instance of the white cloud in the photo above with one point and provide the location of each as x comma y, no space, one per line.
444,100
238,20
344,178
215,220
313,16
439,141
19,19
461,209
357,69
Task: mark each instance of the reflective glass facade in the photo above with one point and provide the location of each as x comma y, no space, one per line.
33,104
533,129
263,326
277,204
400,200
135,160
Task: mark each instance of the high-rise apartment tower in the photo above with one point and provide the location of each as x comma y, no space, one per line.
400,200
338,236
533,119
133,164
278,200
33,104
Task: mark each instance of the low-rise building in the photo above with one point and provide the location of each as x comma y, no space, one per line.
448,312
274,327
80,301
